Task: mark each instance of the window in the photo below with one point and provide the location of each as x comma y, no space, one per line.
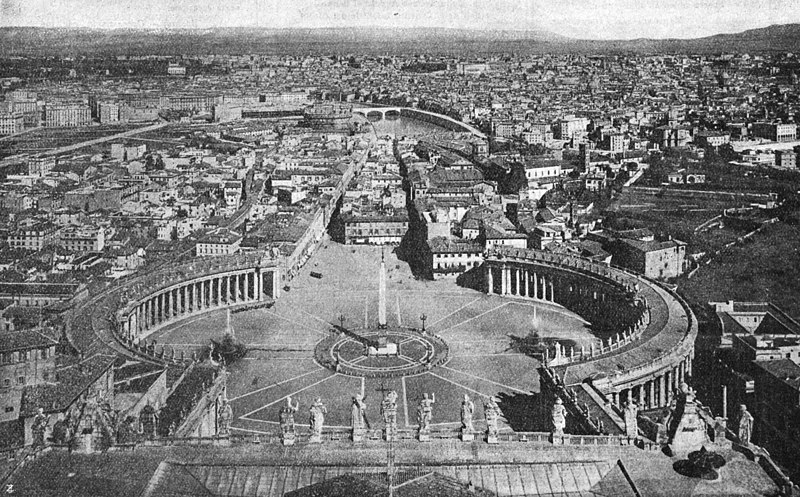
10,409
6,382
21,380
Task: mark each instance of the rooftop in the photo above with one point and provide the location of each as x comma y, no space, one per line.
24,340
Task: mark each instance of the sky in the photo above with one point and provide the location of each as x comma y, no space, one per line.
594,19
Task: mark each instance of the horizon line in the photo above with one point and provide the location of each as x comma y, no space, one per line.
564,38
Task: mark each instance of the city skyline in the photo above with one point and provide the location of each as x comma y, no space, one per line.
592,19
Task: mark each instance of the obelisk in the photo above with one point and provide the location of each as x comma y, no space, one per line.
382,294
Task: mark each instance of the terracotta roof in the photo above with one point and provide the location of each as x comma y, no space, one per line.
22,340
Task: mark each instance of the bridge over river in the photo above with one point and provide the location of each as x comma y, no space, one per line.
380,113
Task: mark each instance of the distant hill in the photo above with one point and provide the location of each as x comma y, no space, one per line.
783,37
57,41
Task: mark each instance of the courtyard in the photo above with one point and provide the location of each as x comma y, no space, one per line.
479,331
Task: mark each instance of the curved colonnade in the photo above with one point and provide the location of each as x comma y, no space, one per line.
649,330
130,311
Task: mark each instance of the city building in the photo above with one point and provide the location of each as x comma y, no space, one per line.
175,69
27,358
786,158
567,129
11,122
775,132
83,239
711,139
39,294
654,259
541,169
672,136
67,115
752,318
40,165
220,241
777,409
451,257
375,227
33,236
109,112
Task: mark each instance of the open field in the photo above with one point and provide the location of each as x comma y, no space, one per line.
765,268
43,139
477,327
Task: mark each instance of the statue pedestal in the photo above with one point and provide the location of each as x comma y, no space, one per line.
358,435
424,436
491,438
467,436
315,438
288,438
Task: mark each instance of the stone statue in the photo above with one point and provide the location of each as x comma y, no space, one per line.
286,416
224,418
148,419
492,412
425,412
358,419
39,427
286,420
559,417
389,408
745,425
631,422
126,431
61,433
467,410
316,420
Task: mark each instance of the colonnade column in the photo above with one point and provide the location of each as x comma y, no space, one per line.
503,280
490,278
527,283
236,288
516,275
651,398
162,307
535,286
193,302
552,291
219,291
662,393
641,394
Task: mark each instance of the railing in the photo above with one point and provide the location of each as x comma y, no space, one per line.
406,435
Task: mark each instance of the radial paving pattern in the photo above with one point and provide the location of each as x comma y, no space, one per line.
478,330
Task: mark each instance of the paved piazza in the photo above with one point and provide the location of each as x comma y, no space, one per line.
477,328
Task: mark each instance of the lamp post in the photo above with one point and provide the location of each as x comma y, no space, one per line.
422,318
342,319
